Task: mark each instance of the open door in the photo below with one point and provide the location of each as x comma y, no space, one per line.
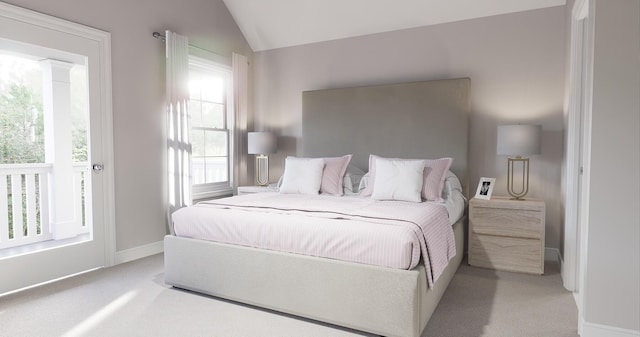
56,172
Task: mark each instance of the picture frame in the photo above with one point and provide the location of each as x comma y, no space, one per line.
485,188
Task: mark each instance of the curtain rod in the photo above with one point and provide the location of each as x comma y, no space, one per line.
164,39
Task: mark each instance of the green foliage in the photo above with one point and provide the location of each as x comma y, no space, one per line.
22,129
79,134
21,126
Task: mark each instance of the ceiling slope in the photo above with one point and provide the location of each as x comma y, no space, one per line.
270,24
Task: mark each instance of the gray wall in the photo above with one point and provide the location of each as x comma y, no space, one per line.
139,92
516,63
612,280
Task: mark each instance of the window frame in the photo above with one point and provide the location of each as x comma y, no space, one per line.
217,189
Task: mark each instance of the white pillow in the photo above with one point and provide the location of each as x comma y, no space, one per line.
350,183
302,175
451,183
433,176
364,182
398,180
351,180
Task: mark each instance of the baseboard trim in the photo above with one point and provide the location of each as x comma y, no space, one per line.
139,252
599,330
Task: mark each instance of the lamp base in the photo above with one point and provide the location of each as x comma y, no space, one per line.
524,189
262,170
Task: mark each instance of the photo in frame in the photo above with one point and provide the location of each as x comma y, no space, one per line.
485,188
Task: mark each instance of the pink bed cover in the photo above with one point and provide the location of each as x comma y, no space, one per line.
393,234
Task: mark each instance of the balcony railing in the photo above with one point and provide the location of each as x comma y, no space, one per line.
212,171
25,203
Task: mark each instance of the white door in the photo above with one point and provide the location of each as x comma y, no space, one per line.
55,211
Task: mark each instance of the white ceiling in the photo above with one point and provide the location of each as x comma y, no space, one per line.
270,24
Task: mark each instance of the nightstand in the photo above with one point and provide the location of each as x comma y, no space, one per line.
256,189
507,234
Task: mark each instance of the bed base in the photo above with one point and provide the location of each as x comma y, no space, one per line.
373,299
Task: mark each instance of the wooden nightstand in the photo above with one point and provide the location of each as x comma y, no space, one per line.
256,189
507,234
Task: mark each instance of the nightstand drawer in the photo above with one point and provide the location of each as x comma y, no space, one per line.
512,254
506,222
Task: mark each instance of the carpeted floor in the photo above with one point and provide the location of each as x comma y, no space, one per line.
132,300
484,302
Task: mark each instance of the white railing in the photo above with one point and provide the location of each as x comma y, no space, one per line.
81,183
213,171
24,203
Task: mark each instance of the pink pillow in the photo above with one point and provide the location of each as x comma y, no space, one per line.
333,174
434,175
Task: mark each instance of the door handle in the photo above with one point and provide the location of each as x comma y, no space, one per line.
97,168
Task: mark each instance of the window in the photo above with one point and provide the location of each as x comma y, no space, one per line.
211,127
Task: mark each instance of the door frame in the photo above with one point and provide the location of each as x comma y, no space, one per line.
103,42
572,168
578,150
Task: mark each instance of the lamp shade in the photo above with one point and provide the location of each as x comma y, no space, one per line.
261,143
519,139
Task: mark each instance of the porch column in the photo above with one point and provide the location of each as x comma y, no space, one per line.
56,99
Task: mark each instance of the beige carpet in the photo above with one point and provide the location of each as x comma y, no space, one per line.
132,300
483,302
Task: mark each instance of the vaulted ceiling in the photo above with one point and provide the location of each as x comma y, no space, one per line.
270,24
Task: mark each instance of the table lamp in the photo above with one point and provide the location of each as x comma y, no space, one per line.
261,144
518,141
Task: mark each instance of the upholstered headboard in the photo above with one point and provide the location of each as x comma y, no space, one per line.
409,120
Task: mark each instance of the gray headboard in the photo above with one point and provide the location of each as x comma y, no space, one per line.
409,120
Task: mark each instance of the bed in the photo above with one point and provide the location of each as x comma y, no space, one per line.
417,120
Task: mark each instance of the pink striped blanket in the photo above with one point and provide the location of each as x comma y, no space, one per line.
392,234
